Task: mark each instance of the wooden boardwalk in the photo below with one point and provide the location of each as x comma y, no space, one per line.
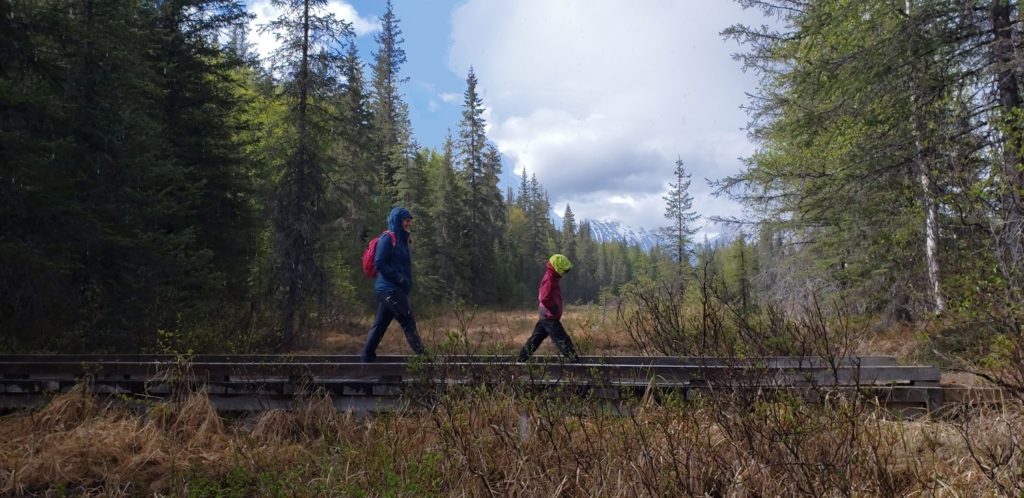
259,382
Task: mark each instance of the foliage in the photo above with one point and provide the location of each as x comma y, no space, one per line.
884,171
511,441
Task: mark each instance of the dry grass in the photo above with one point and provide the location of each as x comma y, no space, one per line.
81,444
900,340
592,327
508,443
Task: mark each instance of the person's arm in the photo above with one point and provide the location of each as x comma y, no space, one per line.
547,300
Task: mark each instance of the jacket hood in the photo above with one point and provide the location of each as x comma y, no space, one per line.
560,264
396,217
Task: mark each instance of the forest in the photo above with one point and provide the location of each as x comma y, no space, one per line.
164,189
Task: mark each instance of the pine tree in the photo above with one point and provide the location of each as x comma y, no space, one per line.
356,127
679,211
480,165
110,205
201,131
449,211
42,230
523,199
586,264
136,249
541,228
493,201
390,112
311,62
1006,45
568,242
853,168
471,146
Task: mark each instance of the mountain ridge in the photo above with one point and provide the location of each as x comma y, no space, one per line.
613,231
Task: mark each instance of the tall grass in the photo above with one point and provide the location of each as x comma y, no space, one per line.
508,439
512,442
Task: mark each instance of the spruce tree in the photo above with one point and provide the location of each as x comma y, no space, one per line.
480,166
201,131
568,242
138,254
855,169
356,137
390,112
310,61
450,213
41,217
586,264
679,212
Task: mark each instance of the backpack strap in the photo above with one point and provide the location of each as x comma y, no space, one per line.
394,238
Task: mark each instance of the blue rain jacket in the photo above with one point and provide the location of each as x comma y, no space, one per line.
394,262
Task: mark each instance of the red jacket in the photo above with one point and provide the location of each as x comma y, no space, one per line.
550,294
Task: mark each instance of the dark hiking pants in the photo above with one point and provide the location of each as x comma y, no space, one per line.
392,305
544,328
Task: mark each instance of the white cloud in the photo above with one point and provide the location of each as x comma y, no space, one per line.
265,12
600,97
449,97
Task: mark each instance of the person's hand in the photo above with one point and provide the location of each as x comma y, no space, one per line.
553,310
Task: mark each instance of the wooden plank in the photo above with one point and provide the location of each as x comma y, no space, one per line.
772,361
477,371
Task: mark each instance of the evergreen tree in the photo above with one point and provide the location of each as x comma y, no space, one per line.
568,242
310,59
523,199
679,211
480,165
854,163
541,229
586,263
358,205
450,213
119,170
919,161
390,112
40,237
356,137
472,143
201,132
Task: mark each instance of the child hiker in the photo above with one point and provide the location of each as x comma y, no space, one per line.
550,323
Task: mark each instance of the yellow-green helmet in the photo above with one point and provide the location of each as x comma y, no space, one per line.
560,263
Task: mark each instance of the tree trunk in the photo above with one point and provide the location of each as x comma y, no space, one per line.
931,223
931,236
1008,89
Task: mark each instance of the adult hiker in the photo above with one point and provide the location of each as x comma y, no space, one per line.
393,264
550,323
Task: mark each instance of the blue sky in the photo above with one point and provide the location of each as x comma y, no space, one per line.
597,97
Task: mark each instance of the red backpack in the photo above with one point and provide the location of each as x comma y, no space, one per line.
371,251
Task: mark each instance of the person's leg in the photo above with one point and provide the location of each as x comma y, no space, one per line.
562,340
400,307
539,334
380,325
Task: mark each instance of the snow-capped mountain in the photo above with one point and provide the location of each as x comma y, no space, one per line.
609,231
613,231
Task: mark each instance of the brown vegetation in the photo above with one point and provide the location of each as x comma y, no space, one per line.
593,328
477,443
511,441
